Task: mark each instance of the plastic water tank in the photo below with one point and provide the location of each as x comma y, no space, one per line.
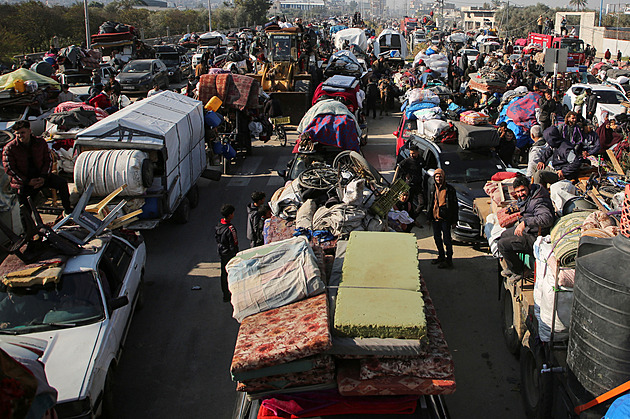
599,333
110,169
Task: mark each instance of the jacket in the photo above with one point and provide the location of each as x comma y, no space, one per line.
252,218
15,159
537,210
452,207
591,104
561,154
224,233
547,107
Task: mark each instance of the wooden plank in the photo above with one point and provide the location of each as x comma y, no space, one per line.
615,162
482,207
596,198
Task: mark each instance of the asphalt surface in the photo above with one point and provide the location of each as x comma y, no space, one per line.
176,360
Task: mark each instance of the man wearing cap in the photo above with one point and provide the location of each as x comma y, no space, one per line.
26,159
442,211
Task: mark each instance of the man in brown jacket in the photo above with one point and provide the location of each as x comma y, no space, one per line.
443,212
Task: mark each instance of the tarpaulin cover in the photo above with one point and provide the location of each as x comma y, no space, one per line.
390,39
282,335
68,106
354,36
330,402
334,130
520,116
272,276
346,63
7,81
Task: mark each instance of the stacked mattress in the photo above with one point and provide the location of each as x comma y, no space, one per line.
379,292
284,348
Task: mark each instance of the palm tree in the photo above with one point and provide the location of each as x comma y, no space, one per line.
579,4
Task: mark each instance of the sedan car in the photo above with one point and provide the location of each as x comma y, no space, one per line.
82,316
609,100
140,75
466,170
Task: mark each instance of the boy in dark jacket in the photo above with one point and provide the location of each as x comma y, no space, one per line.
258,199
443,212
537,216
263,213
227,245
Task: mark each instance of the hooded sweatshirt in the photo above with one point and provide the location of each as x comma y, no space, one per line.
560,155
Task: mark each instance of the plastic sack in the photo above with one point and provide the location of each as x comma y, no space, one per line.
432,128
273,275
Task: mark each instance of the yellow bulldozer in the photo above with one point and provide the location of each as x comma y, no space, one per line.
282,75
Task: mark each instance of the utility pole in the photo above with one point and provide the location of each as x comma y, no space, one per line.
209,17
88,41
507,23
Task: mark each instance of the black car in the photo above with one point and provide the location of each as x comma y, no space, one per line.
467,170
177,62
140,75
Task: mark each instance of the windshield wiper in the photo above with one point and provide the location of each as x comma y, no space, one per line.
53,324
8,332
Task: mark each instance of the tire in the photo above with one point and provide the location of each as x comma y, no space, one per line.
182,213
510,335
536,387
193,196
282,135
108,410
303,86
147,173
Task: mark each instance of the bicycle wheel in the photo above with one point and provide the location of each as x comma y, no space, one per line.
318,178
282,135
353,162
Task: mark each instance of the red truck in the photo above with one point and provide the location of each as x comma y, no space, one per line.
572,43
408,25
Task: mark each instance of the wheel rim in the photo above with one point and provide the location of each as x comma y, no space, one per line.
318,178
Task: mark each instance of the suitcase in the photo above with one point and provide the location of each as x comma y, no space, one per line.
476,136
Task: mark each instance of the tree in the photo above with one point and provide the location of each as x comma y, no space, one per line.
252,11
353,6
579,4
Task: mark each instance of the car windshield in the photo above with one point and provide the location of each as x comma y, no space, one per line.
169,59
74,300
609,97
468,166
575,46
137,67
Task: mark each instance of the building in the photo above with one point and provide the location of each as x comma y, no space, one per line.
476,17
280,6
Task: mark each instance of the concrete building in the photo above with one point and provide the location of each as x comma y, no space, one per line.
476,17
280,6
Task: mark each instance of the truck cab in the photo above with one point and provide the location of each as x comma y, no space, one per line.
572,43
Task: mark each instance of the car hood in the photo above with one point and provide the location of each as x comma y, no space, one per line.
132,76
612,109
68,358
468,192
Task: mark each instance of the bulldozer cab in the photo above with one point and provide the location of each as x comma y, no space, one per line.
283,47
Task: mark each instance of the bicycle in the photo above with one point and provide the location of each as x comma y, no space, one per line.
278,124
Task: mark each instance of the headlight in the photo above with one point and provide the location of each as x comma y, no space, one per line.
170,73
146,77
77,408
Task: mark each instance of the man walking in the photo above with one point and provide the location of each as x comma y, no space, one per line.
442,211
227,245
258,199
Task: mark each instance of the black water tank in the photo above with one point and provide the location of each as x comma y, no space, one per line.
599,335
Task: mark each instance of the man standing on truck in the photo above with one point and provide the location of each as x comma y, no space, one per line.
227,245
443,212
26,159
536,217
539,23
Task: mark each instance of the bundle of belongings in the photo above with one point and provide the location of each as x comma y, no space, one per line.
234,90
520,115
422,104
488,79
555,268
344,63
345,88
330,122
386,347
115,27
437,62
75,57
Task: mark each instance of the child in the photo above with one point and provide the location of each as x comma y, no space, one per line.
227,245
264,212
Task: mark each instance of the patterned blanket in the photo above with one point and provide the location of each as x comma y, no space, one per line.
233,89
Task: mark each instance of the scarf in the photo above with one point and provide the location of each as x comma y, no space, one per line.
440,196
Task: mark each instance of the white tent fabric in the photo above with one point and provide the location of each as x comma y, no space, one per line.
388,34
354,36
167,121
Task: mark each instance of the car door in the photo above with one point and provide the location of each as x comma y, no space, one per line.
123,270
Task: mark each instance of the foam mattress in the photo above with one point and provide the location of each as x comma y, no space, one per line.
379,294
282,335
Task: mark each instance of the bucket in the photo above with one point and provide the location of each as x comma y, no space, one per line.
213,119
213,104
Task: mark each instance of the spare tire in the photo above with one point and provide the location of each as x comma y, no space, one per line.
110,169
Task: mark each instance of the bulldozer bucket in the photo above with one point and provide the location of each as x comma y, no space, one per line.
294,104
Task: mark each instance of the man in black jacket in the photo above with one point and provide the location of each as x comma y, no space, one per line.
258,199
547,108
227,245
559,161
410,170
442,211
591,104
536,217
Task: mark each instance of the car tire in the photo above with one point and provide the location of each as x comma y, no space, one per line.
182,213
193,196
510,335
108,410
536,387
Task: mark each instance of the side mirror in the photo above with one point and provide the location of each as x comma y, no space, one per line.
395,134
118,302
431,172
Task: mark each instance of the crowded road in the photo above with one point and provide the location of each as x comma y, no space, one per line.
177,355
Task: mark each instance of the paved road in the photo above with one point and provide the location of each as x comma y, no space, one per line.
176,360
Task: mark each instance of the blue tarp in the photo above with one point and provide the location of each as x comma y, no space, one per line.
520,116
